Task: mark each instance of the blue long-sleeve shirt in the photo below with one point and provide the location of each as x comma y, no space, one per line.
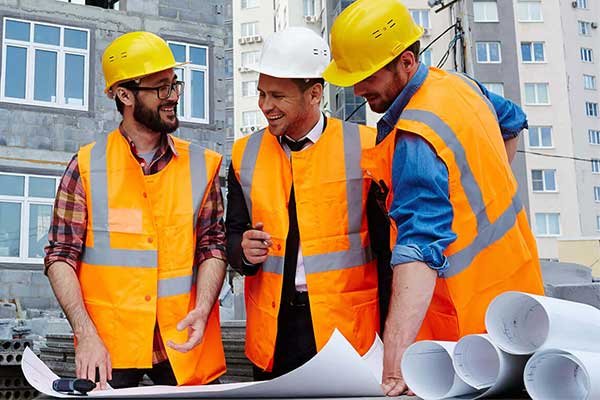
421,206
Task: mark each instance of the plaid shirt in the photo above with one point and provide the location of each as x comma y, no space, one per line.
67,232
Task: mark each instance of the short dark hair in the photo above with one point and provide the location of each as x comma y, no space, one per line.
126,85
414,48
305,84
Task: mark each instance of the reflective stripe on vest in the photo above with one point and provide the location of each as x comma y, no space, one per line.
477,90
102,254
356,255
487,233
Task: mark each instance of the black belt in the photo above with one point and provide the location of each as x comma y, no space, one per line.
299,299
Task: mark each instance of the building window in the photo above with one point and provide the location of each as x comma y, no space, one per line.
589,82
45,64
536,94
249,3
591,109
540,137
194,104
547,224
585,28
310,8
488,52
249,88
497,88
593,136
25,214
485,11
596,166
529,11
586,55
543,180
250,58
250,118
249,29
597,194
426,58
109,4
598,223
532,52
582,4
421,17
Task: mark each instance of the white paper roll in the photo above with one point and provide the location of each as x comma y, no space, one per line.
522,323
557,375
481,364
428,371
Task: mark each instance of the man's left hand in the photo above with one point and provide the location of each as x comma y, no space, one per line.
196,323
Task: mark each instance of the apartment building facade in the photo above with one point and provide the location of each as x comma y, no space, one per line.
52,102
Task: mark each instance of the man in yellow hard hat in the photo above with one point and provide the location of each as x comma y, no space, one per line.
460,234
297,215
136,253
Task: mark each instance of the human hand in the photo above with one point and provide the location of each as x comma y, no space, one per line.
195,321
255,244
395,386
91,354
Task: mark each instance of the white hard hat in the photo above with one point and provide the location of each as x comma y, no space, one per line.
294,53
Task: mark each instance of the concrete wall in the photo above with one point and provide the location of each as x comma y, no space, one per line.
41,140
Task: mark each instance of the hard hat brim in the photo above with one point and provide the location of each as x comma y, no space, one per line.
282,75
338,77
175,65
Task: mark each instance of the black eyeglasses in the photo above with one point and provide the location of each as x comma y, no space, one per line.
164,91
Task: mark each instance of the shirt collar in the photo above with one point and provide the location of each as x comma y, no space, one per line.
166,143
315,133
386,124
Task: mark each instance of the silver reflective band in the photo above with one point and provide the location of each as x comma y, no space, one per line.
491,234
477,90
174,286
274,264
467,179
119,257
247,166
199,179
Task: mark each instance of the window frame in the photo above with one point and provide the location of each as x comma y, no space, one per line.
546,216
487,51
586,54
536,85
488,86
255,112
595,165
591,109
582,4
539,129
245,85
589,79
254,24
584,28
544,181
244,4
61,52
188,68
531,46
594,137
529,2
484,9
26,202
597,194
420,12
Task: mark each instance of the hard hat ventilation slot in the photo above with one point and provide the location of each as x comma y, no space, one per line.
316,52
123,54
391,23
377,33
111,59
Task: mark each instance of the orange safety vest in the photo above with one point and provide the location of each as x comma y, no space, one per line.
495,250
137,263
331,194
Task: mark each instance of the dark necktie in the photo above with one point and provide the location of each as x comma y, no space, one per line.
295,145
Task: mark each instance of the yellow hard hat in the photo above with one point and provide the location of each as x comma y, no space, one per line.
134,55
366,36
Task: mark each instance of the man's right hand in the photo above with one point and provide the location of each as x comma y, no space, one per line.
90,354
255,244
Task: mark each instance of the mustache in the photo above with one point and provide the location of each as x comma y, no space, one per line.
169,104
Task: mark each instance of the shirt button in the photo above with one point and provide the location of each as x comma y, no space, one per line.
273,304
147,298
145,194
143,164
278,246
150,240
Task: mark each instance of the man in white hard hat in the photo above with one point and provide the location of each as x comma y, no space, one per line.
296,215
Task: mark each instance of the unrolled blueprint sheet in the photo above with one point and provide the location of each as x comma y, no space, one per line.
336,371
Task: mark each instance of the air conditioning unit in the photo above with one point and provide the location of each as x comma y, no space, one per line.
426,31
249,129
594,25
244,69
257,38
249,39
574,4
242,40
311,19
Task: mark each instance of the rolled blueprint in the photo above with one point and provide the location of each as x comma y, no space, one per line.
557,374
522,323
428,371
481,364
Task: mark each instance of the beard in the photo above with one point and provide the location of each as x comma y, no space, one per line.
152,120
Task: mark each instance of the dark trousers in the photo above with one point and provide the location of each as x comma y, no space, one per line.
295,343
160,374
